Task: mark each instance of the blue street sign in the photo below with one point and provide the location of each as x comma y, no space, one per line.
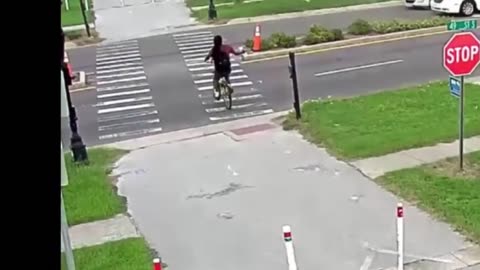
455,86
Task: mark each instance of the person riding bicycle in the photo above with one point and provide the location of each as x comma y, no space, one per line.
220,53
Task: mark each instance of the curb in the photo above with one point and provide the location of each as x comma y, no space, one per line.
192,133
77,27
348,42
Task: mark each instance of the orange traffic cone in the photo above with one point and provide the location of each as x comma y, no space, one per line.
257,39
69,66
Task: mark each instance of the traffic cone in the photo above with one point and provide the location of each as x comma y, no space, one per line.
257,39
69,66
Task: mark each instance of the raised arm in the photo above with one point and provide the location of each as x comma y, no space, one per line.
232,51
209,55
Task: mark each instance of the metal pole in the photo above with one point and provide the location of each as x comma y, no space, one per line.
86,5
212,11
84,15
77,146
67,245
462,104
293,76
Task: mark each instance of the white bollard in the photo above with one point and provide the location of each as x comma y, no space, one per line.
157,264
400,236
287,237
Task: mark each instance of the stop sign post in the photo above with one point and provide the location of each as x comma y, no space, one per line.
461,56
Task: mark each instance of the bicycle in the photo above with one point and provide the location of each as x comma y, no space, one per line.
225,93
225,90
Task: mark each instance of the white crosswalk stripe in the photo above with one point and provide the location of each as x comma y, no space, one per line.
247,100
125,106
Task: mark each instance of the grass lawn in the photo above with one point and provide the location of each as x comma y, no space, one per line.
90,194
268,7
440,189
389,121
74,15
127,254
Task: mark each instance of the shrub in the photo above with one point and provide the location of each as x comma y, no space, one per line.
384,27
267,44
318,34
282,40
317,30
249,43
360,27
337,34
321,37
311,39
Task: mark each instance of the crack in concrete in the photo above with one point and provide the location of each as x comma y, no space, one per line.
232,187
313,167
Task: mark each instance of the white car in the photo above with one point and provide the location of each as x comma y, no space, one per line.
462,7
417,3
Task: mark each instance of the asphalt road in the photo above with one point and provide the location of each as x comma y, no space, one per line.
237,34
84,58
353,71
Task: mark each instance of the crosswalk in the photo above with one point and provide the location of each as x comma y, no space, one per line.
247,100
125,106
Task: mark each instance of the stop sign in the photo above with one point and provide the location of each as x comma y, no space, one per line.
461,54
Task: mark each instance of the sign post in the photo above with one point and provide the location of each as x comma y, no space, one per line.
461,56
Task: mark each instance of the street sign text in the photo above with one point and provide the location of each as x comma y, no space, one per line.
462,25
461,54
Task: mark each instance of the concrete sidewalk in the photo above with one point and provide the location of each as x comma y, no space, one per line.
102,231
377,166
139,18
219,200
475,80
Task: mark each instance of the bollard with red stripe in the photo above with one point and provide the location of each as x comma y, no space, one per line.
287,237
157,264
400,236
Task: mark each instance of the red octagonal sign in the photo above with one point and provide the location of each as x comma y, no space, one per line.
461,54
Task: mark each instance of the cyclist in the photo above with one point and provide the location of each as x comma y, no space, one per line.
220,53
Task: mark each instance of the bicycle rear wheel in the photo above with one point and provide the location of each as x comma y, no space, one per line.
227,97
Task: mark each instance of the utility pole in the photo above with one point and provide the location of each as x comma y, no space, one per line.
79,150
293,76
84,15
